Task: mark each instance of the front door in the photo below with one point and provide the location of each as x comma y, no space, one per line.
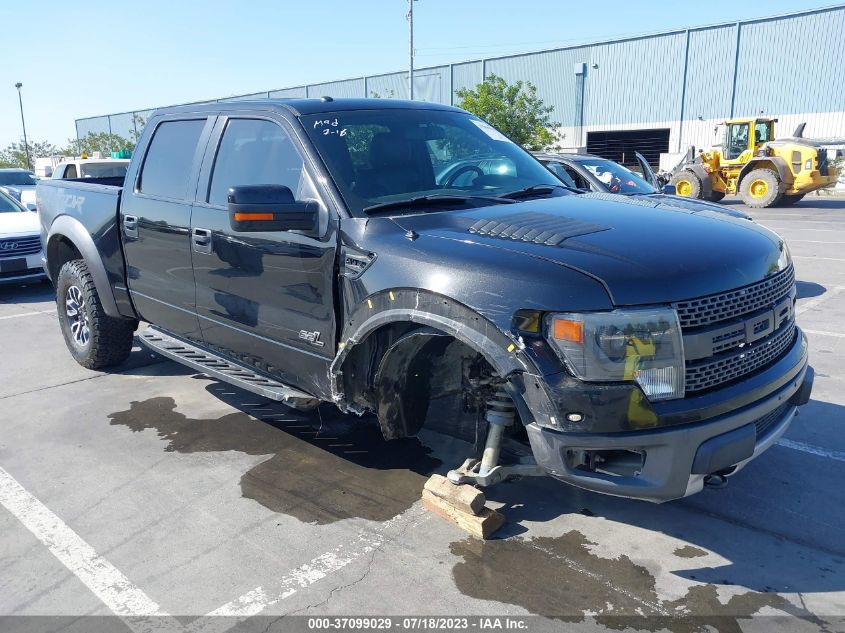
155,221
266,298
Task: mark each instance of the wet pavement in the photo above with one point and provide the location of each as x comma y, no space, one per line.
151,490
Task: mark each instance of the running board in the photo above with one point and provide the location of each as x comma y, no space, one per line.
206,362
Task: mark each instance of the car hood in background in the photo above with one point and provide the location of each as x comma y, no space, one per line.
664,200
14,224
642,252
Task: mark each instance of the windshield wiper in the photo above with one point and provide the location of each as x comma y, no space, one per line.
433,200
535,190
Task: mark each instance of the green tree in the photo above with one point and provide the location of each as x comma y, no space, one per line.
15,154
102,142
515,109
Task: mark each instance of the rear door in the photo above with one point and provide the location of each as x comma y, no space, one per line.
264,298
156,221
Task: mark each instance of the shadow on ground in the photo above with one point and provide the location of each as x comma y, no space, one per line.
31,293
322,467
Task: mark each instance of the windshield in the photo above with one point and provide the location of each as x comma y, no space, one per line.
17,178
7,205
615,177
383,156
103,170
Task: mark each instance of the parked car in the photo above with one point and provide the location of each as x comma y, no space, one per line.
20,184
597,175
20,243
303,250
91,168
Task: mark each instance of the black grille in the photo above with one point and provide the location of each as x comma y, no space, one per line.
722,368
715,308
19,246
539,228
766,422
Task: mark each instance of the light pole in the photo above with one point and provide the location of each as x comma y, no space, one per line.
23,124
411,49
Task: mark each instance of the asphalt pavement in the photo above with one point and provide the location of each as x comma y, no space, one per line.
174,502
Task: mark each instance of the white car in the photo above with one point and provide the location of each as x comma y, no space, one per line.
20,243
19,184
91,168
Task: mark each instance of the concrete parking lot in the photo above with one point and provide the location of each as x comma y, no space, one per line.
151,491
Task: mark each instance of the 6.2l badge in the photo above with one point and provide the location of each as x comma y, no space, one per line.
311,337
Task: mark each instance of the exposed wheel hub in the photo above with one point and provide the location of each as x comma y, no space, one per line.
77,316
683,188
759,188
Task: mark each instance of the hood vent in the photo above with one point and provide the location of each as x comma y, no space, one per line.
536,228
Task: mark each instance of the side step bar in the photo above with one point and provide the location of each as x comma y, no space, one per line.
206,362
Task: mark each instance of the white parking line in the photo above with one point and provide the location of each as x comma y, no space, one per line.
124,599
825,259
257,600
839,456
813,241
812,303
24,314
823,333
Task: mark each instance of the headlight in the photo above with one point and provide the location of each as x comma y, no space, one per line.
643,346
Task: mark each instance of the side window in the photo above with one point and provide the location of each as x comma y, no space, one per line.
255,152
167,165
70,172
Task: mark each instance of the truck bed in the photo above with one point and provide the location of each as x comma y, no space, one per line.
93,203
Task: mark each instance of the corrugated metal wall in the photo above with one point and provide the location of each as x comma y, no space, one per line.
784,65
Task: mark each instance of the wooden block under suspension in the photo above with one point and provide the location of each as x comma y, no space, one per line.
481,525
463,497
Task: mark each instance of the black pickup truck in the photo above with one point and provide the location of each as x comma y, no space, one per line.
360,252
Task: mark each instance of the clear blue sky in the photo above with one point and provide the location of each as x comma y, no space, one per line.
95,57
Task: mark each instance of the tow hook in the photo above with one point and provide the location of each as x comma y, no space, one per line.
715,481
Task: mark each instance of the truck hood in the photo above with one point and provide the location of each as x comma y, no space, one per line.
642,253
15,224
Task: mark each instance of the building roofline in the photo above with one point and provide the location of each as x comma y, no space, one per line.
613,40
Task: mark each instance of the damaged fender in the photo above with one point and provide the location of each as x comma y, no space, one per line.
428,319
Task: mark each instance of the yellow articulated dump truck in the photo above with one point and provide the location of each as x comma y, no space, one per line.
764,172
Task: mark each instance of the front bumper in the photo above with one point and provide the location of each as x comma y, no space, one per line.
23,271
669,462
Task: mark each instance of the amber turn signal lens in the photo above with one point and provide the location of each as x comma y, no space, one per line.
251,217
567,330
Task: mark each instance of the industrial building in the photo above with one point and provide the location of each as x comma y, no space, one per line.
658,93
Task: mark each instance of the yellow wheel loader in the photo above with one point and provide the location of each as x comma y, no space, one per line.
764,172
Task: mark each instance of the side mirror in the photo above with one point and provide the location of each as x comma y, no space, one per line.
669,190
254,208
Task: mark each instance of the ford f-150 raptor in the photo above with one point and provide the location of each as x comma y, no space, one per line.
319,250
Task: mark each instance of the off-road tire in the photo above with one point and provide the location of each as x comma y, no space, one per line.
690,184
789,200
761,188
108,340
715,196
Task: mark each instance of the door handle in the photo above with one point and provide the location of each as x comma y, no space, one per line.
130,226
201,239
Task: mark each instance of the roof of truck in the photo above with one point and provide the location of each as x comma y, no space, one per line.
316,105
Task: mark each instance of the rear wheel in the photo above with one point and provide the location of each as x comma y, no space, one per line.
687,184
788,200
761,188
94,339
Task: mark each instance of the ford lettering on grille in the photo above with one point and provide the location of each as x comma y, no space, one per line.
735,333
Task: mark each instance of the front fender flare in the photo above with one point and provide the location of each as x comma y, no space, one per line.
72,230
504,351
